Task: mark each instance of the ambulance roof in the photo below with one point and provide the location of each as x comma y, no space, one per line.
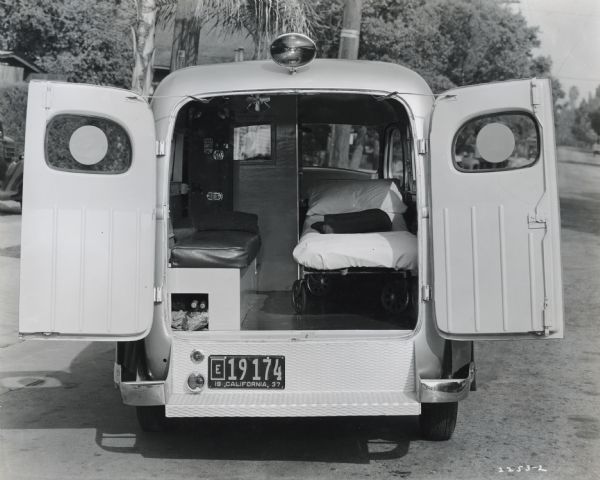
324,75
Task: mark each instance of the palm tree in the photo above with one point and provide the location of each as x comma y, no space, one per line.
143,45
260,19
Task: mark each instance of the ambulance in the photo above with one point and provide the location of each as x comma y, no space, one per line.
295,237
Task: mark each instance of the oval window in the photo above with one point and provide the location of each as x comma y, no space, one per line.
497,142
87,144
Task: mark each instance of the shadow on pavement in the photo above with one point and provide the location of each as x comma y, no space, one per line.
85,397
341,440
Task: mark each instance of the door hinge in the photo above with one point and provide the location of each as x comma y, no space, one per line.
160,148
535,95
160,213
545,317
48,99
422,146
426,293
158,295
534,221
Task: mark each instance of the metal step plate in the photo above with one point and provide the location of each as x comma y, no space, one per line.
292,404
345,377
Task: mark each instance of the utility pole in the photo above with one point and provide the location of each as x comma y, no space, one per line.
186,35
349,37
350,29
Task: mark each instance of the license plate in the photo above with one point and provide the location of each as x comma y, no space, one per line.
246,371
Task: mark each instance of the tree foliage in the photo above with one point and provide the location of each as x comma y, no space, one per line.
13,105
260,19
462,42
84,40
594,117
579,124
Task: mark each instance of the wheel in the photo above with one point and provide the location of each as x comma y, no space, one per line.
300,297
437,420
152,419
318,285
395,296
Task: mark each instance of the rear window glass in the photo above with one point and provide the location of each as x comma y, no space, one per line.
87,144
353,147
497,142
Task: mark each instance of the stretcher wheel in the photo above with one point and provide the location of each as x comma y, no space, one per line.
300,297
318,285
395,296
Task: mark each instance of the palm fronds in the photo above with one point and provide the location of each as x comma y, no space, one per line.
262,20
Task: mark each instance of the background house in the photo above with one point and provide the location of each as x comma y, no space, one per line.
214,47
14,68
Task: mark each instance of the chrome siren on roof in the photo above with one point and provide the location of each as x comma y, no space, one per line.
293,50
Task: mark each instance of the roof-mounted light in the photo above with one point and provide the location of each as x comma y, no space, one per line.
293,50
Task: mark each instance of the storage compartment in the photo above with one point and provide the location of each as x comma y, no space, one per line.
189,312
329,182
226,291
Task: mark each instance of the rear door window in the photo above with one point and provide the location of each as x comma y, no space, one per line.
497,142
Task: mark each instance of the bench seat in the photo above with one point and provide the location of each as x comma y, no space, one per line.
216,249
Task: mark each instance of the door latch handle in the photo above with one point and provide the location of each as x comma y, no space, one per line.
214,196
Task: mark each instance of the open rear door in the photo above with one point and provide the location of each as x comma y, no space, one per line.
88,227
495,212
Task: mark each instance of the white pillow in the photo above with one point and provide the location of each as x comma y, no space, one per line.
344,196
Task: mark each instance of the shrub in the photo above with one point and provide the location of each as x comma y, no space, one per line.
13,108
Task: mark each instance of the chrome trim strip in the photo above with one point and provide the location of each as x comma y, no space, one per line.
143,393
446,389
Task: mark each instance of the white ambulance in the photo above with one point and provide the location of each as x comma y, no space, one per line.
292,238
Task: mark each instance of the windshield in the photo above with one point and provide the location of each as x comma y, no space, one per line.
351,147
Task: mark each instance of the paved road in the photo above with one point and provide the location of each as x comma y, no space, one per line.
538,403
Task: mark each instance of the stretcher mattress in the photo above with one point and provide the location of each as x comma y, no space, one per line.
395,249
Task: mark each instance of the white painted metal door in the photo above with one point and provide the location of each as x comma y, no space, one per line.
495,212
88,227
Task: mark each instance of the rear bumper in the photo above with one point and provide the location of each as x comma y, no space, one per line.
446,390
148,393
431,391
143,393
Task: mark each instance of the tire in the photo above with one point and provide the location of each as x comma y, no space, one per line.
152,419
438,420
